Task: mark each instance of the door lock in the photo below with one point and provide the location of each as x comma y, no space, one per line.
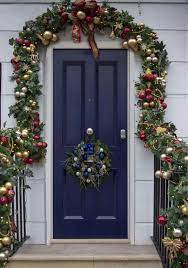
123,134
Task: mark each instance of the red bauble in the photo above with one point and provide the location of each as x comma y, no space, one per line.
168,159
162,220
143,137
4,140
3,200
149,77
13,61
161,99
149,98
28,160
40,144
126,30
89,19
142,95
20,41
36,137
36,123
148,91
27,43
164,105
44,144
142,132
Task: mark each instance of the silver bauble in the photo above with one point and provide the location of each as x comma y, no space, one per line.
89,170
177,232
22,94
89,131
24,89
148,59
2,256
167,175
163,157
169,150
180,222
158,174
77,173
17,94
155,59
75,159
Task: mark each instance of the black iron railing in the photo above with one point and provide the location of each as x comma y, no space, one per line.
19,215
161,201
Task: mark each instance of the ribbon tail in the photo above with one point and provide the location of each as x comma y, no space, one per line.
93,45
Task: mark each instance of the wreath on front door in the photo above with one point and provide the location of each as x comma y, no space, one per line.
89,162
24,144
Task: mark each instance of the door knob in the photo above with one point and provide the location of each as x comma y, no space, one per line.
123,134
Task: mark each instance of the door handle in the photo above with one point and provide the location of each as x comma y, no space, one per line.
123,134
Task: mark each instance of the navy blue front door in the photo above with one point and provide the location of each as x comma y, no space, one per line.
90,93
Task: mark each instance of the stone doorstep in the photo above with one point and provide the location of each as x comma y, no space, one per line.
86,256
86,252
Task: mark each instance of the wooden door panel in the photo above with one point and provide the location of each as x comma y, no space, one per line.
90,93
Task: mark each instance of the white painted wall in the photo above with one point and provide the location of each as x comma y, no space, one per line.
170,20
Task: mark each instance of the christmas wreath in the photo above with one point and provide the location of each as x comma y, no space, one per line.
89,162
24,144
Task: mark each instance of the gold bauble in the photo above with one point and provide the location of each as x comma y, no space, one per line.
29,72
47,35
3,190
6,240
33,47
186,159
25,154
139,40
152,104
45,42
81,15
33,104
148,51
146,105
163,157
54,37
184,210
26,77
96,20
125,45
28,49
17,94
4,159
8,185
24,134
106,11
141,24
132,43
158,174
18,154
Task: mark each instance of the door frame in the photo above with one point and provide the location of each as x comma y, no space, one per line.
103,42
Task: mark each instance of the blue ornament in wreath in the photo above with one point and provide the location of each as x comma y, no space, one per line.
89,162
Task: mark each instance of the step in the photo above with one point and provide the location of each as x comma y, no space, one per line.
95,255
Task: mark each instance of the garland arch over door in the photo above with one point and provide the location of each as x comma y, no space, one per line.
24,144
